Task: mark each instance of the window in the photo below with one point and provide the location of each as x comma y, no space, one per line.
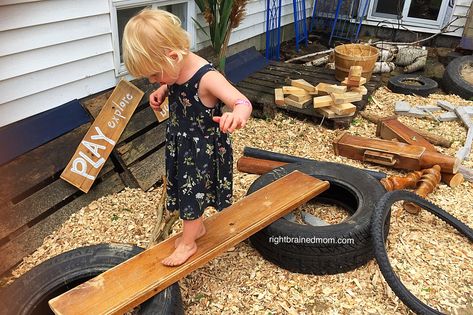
125,9
427,13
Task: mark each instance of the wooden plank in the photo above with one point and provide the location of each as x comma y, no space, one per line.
28,241
278,97
16,216
343,109
127,285
141,120
163,113
102,135
150,170
94,103
294,90
135,149
322,101
33,168
290,101
301,83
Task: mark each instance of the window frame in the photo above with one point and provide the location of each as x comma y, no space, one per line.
115,5
418,22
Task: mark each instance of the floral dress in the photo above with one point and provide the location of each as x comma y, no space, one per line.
199,156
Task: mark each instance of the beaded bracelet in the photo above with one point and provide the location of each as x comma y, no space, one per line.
243,102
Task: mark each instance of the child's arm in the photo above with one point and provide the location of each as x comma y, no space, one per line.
157,97
214,85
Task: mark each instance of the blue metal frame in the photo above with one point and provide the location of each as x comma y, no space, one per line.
273,29
343,17
300,22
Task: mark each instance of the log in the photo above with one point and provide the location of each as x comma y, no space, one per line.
280,157
453,180
432,138
257,166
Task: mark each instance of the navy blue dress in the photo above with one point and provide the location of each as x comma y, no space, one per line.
199,157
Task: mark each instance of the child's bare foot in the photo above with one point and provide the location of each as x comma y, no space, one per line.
199,235
180,254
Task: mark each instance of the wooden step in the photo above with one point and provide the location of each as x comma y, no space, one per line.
137,279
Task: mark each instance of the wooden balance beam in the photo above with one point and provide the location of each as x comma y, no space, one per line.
129,284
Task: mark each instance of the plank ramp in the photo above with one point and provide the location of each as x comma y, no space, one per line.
134,281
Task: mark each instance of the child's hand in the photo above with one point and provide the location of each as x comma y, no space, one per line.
157,98
229,122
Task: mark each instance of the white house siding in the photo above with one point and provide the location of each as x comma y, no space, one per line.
460,11
254,23
52,52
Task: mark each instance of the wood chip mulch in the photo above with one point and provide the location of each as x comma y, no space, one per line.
430,257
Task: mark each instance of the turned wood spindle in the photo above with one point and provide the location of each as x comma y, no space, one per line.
426,184
401,182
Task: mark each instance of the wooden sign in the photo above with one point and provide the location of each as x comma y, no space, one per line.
102,136
163,114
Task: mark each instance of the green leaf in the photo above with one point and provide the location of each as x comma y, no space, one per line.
200,27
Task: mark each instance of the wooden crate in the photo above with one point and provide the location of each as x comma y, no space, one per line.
34,201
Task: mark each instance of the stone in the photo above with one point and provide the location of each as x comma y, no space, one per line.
430,108
448,116
446,105
401,106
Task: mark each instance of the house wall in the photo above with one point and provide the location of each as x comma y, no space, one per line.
460,13
52,52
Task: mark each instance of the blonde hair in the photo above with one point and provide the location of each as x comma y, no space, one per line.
148,38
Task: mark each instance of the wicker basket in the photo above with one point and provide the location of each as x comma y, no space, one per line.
354,55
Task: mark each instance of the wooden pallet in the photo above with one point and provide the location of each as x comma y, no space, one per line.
259,88
34,200
140,150
137,279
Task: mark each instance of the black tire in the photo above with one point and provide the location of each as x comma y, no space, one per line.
403,84
350,188
453,81
30,293
378,233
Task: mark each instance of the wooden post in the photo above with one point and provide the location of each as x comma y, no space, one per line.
427,184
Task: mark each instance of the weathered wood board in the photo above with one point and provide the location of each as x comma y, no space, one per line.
137,279
102,136
35,201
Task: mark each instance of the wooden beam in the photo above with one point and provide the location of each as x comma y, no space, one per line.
129,284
